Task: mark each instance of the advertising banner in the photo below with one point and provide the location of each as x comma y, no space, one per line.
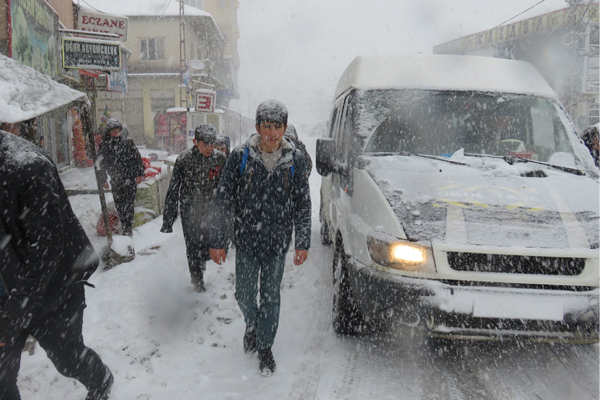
33,37
117,81
83,53
102,23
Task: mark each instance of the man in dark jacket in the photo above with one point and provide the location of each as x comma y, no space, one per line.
265,186
193,183
122,161
45,259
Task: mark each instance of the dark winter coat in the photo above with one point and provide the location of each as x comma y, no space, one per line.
267,206
45,255
120,159
192,187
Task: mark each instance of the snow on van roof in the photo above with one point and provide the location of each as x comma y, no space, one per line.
443,72
141,7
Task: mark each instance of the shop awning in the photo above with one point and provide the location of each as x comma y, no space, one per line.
26,93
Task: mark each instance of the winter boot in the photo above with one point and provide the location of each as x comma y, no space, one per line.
198,282
250,340
266,362
103,391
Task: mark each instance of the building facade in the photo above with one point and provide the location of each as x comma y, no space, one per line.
161,73
563,45
224,12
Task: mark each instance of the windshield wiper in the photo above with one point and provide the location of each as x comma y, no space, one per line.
406,153
512,159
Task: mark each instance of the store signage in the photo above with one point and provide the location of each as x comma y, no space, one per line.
116,81
83,53
33,35
205,101
102,23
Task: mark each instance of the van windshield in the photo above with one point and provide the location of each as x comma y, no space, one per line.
440,123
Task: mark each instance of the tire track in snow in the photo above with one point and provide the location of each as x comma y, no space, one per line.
308,374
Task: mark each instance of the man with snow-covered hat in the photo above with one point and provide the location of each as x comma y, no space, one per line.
195,178
265,186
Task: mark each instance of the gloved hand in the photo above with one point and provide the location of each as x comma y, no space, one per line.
14,317
138,180
166,229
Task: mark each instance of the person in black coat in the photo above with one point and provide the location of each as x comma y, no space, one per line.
120,158
45,260
195,178
265,186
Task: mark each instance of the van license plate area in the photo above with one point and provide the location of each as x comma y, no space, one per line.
519,307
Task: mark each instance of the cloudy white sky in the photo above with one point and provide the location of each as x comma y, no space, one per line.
295,51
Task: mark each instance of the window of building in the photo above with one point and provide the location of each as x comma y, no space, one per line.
223,5
195,3
152,49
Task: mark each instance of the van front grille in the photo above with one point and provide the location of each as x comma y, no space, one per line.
511,264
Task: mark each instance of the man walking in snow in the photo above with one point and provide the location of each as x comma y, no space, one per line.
45,260
195,178
120,158
265,187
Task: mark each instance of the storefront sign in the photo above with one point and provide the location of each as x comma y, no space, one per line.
528,27
205,101
33,37
103,23
117,81
91,54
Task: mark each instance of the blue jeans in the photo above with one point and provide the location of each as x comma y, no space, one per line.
262,315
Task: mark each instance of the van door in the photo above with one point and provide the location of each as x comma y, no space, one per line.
341,189
328,183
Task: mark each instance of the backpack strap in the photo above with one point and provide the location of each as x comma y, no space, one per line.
244,159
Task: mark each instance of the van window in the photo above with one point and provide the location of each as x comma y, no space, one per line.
440,123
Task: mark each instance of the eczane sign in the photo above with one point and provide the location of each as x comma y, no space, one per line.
102,23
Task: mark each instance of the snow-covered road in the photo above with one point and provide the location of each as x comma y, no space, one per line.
164,341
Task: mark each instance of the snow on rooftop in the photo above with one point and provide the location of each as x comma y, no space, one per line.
26,93
444,72
141,7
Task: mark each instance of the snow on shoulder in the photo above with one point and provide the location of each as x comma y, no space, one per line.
444,72
26,93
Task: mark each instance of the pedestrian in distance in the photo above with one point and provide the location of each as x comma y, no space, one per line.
120,158
590,139
192,189
222,145
45,260
265,188
292,135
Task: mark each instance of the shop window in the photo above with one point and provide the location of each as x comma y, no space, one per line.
152,49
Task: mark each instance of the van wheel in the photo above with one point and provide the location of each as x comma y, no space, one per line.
347,317
325,237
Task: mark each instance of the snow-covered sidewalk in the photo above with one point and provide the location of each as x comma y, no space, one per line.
162,340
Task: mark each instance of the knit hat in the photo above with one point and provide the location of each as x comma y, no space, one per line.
206,133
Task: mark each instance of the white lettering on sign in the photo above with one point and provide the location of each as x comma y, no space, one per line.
205,102
102,23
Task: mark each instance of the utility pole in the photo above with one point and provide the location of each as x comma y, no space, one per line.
182,58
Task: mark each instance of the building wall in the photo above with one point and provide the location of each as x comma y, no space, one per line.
224,13
154,85
64,8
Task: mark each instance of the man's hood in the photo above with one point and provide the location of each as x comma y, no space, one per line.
489,202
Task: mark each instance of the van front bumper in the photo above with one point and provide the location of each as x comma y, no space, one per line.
477,312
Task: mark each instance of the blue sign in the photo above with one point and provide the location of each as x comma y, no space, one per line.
116,81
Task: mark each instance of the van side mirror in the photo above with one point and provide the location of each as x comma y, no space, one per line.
325,156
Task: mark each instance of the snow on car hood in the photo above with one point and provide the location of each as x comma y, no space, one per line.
488,202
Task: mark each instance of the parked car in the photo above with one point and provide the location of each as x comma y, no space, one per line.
459,199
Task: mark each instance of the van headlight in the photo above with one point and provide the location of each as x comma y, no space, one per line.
400,254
